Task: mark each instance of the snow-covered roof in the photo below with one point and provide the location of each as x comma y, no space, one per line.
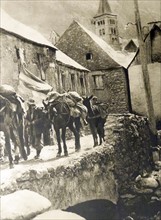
63,58
123,58
13,26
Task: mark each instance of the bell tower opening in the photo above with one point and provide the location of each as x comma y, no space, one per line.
106,25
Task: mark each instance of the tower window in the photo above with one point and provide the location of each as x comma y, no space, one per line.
103,21
111,21
113,31
89,56
100,32
98,23
103,31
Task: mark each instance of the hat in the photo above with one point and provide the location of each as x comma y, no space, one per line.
31,102
94,98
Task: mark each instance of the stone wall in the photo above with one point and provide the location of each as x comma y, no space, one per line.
67,182
130,136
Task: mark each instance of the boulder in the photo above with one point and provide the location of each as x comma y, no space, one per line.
23,205
58,215
149,182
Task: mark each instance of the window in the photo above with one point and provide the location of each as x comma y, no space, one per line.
103,31
63,81
41,62
72,82
98,82
111,21
89,56
82,82
100,31
113,31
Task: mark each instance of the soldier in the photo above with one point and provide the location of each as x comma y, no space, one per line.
34,127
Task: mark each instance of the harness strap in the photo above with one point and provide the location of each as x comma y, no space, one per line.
1,110
92,117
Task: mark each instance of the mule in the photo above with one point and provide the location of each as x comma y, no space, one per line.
9,126
96,122
59,115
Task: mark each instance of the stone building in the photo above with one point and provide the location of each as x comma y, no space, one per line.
71,75
106,24
153,52
153,42
32,65
109,76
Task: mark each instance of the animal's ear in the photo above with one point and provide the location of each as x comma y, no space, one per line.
44,103
90,97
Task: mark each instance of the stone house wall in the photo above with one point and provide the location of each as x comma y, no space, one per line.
40,61
72,79
114,91
76,43
10,67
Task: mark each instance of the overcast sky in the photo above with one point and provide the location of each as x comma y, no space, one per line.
46,15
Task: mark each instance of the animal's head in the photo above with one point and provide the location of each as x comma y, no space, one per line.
87,101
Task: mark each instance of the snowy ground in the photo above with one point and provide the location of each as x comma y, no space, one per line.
48,155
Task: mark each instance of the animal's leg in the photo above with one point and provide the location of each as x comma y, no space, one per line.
94,134
38,145
64,141
101,131
8,148
57,131
76,135
17,142
100,134
17,158
26,136
22,143
16,147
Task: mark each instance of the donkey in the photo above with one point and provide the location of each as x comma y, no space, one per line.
9,125
96,122
59,115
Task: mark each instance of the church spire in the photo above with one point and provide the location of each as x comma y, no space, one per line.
105,23
104,8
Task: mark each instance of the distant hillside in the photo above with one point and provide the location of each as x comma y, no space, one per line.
46,16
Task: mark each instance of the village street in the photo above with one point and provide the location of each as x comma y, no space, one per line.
48,155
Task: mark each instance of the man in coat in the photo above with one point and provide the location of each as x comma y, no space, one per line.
34,127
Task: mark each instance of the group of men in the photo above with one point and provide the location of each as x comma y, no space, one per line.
37,127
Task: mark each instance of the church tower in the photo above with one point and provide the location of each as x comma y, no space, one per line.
105,24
